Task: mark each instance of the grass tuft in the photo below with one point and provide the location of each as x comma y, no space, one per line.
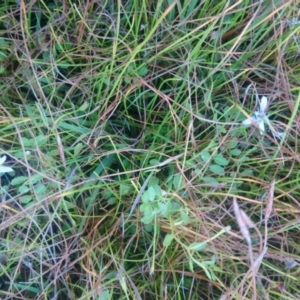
134,173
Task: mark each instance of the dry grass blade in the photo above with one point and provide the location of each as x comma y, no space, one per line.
269,201
243,221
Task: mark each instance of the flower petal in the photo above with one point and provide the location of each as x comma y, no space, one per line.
263,103
4,169
2,159
247,122
261,126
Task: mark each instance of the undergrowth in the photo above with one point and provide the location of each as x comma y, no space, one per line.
137,161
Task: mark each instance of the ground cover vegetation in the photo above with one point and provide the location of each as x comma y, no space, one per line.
149,149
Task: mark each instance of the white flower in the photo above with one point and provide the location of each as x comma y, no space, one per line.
143,27
292,22
259,117
4,169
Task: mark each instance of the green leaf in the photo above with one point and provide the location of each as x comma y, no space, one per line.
27,142
154,162
232,144
153,181
18,180
184,216
3,55
78,149
148,215
105,295
41,140
217,169
124,189
151,193
221,160
198,246
205,156
84,106
222,128
3,43
40,189
165,208
168,240
248,172
149,228
210,180
158,190
178,182
235,152
25,199
143,71
111,201
23,189
36,178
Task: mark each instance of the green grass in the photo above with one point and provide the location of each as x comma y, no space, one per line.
122,122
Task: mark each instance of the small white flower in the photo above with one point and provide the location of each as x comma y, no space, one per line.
259,117
4,169
143,27
292,22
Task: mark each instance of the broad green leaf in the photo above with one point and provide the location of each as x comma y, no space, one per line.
198,171
198,246
36,178
247,172
165,208
168,240
124,189
3,43
143,71
84,106
146,207
151,193
149,228
23,189
244,158
220,160
158,190
148,216
210,180
111,201
145,198
184,216
154,162
205,155
25,199
232,144
27,142
105,295
222,129
41,140
217,169
153,181
18,180
178,182
3,55
40,189
235,152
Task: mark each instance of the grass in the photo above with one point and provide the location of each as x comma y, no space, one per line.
133,176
